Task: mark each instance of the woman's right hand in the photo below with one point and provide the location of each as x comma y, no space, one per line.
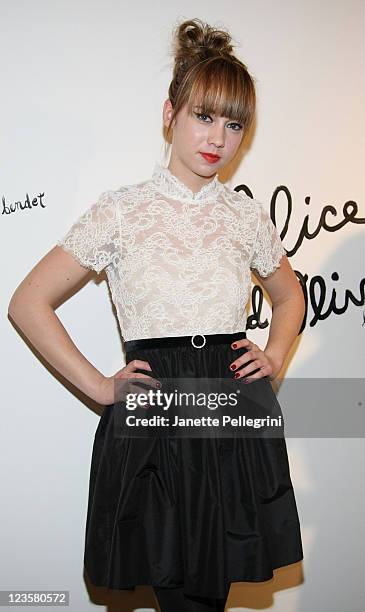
106,392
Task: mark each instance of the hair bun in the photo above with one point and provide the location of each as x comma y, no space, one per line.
195,40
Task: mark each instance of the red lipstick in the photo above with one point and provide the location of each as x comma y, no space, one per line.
209,157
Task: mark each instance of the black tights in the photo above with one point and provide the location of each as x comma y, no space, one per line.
173,600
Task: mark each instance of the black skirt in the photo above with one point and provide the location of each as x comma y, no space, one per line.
197,513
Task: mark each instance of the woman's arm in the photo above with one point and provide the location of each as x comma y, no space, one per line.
288,309
32,309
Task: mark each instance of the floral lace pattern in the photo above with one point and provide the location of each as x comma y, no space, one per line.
177,262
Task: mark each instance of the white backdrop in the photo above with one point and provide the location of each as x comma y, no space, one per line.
83,85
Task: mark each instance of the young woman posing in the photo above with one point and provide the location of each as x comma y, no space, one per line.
185,515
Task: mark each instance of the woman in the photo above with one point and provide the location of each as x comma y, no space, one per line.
186,515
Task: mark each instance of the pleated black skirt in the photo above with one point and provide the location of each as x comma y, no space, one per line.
193,512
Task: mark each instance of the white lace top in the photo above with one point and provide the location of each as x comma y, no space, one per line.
177,262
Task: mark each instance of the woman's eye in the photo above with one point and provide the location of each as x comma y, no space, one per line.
238,126
200,115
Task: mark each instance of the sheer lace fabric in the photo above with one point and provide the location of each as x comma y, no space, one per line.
177,262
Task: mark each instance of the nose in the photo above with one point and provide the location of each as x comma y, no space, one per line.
216,135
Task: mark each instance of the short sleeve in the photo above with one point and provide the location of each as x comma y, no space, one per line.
268,248
93,239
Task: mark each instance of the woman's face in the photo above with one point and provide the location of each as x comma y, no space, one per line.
195,134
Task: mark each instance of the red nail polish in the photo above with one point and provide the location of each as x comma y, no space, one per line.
237,375
233,367
234,345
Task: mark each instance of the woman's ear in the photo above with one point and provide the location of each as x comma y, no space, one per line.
167,112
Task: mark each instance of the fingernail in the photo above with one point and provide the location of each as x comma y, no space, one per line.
237,375
233,366
234,345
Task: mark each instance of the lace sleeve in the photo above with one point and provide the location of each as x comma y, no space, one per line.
268,248
93,239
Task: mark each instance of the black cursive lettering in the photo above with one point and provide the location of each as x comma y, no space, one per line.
14,206
322,300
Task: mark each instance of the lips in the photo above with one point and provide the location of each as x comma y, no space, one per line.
209,157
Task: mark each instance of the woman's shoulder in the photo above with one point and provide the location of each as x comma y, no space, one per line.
248,206
132,193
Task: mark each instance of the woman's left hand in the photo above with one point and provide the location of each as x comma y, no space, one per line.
267,364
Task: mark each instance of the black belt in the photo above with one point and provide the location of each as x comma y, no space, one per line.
198,341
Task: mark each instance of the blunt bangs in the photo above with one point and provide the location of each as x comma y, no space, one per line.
218,88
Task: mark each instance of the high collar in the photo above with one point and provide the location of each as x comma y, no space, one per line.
169,185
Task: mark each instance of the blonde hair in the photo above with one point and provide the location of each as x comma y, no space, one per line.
208,75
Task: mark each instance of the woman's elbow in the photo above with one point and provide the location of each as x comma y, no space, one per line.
17,304
24,297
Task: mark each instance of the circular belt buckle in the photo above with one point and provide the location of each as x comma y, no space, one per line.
201,345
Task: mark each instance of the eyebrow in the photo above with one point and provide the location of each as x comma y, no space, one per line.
201,108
